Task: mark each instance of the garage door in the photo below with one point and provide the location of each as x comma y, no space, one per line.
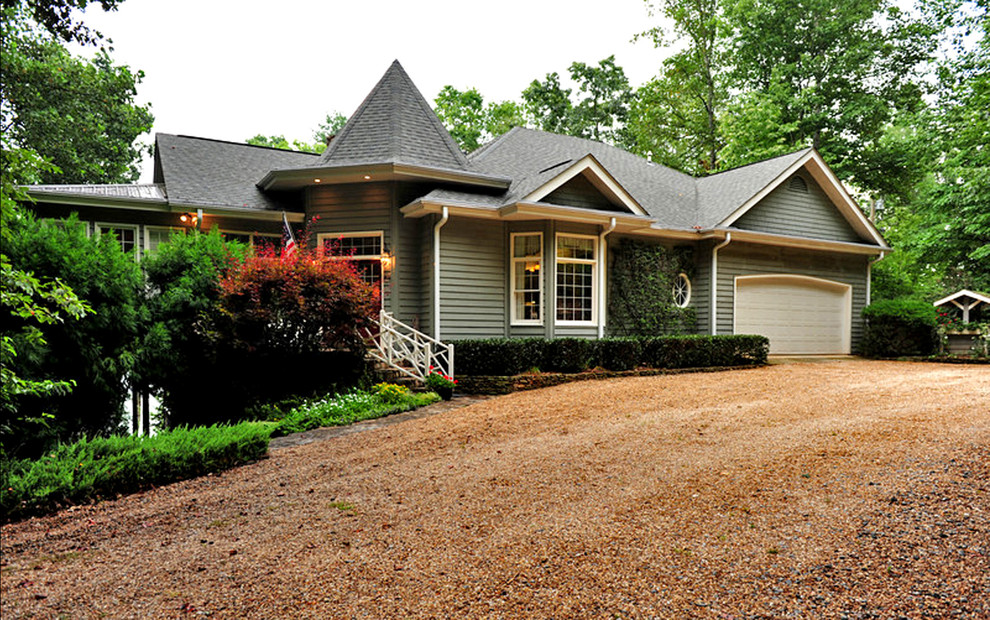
799,314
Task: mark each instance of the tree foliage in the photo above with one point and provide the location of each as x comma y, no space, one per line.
321,136
57,17
598,109
94,352
674,119
472,122
79,115
183,286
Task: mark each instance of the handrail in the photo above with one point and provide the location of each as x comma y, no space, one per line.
409,350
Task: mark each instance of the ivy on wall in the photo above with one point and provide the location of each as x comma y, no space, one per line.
641,300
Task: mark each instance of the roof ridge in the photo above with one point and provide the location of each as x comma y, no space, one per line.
753,163
231,142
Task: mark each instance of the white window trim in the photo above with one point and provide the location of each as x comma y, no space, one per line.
687,300
117,227
320,238
249,235
512,279
557,260
149,229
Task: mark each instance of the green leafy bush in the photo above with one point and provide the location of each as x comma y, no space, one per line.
568,354
106,466
348,408
897,327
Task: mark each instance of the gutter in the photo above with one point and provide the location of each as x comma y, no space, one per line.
603,257
713,283
436,272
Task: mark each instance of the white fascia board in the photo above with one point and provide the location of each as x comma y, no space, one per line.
242,212
963,293
530,210
421,208
139,204
294,178
829,183
787,241
599,177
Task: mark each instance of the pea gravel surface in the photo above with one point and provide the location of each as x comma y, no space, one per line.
850,489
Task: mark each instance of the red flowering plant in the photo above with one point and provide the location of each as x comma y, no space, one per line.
436,379
301,302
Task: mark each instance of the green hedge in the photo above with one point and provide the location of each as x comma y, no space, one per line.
107,466
512,356
900,327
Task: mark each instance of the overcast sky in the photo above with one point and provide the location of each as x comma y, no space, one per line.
230,70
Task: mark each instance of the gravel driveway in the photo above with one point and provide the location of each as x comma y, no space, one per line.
846,489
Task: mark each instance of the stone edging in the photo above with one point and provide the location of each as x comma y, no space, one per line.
495,384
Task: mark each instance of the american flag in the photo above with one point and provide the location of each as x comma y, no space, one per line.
288,240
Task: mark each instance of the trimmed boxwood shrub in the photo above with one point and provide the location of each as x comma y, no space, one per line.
507,356
897,327
618,353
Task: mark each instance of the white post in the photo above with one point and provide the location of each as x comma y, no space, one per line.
713,284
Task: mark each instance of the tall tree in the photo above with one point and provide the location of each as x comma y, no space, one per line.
597,110
833,72
675,117
951,229
472,122
77,114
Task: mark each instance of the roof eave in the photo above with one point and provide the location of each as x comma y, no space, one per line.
807,243
92,200
296,178
521,211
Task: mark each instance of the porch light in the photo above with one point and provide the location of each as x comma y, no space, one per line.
388,261
316,180
188,218
367,177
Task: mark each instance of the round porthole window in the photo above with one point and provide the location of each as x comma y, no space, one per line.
682,291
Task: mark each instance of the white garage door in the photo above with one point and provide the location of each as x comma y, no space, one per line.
799,314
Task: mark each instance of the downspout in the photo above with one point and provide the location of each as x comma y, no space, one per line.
603,257
713,284
436,273
869,275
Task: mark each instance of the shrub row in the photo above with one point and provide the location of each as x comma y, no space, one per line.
107,466
512,356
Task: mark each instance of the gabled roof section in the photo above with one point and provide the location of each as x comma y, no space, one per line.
394,124
977,297
725,197
203,172
592,170
532,159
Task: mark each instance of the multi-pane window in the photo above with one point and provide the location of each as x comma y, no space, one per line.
527,266
363,249
576,267
154,236
126,235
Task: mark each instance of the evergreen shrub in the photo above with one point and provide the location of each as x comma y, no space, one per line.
899,327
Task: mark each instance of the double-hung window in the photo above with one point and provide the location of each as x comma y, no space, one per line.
127,234
576,269
527,280
363,249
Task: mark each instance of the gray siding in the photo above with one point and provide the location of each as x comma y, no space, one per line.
472,279
701,286
801,214
740,259
579,192
370,207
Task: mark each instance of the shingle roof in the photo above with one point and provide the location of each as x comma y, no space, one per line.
199,171
532,158
719,195
394,124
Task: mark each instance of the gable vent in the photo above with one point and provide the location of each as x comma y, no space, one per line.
797,184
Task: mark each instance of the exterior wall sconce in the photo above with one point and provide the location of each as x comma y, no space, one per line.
188,218
388,261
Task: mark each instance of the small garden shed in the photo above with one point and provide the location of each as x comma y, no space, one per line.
965,315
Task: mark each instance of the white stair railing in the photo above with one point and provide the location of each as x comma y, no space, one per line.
408,350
